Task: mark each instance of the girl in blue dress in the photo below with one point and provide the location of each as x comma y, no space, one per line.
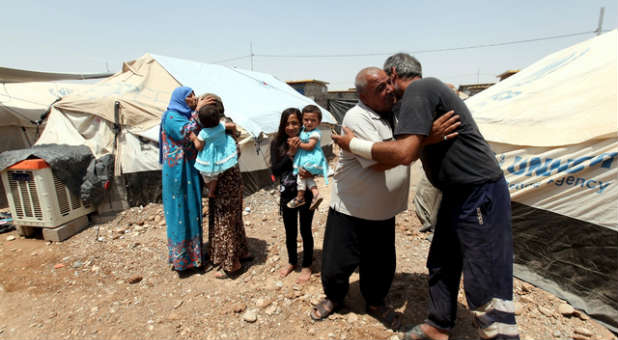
309,157
217,150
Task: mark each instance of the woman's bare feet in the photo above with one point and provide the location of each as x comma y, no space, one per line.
286,271
305,275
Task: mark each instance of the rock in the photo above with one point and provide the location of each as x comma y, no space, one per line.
557,334
311,331
76,264
271,309
566,309
178,304
352,318
518,308
10,238
583,331
579,337
250,316
239,307
135,279
263,302
140,223
583,316
58,265
545,311
394,337
525,299
162,223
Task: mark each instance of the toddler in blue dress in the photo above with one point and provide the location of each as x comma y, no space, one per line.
217,150
310,157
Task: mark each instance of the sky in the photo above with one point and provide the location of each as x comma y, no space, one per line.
293,40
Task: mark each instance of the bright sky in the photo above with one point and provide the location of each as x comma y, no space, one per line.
91,36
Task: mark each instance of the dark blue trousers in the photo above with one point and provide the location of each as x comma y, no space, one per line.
473,236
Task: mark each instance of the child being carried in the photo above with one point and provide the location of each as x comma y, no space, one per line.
309,157
217,150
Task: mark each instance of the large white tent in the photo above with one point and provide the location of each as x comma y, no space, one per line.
554,129
134,100
22,106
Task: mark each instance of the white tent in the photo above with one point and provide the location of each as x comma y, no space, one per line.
554,128
136,98
22,106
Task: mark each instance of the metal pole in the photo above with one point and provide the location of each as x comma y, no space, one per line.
599,29
251,53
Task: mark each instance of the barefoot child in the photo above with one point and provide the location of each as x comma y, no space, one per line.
217,150
309,157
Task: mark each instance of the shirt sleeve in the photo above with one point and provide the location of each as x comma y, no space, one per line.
315,134
364,128
202,135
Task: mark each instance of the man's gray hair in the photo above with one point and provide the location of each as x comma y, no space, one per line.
406,65
361,78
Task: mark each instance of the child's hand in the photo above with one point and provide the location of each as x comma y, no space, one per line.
304,173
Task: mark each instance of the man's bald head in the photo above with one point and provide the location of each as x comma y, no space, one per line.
374,89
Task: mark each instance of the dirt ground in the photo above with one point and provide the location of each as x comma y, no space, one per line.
112,281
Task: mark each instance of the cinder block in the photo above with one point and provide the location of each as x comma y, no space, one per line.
66,230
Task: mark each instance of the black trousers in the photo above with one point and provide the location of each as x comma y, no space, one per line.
473,235
291,218
351,242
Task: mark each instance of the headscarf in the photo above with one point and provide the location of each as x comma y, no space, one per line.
177,104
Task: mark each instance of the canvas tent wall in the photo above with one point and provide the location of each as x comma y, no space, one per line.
136,98
554,129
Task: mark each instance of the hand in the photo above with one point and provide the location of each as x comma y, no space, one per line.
304,173
343,140
442,128
208,100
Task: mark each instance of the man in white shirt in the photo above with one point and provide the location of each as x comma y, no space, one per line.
365,197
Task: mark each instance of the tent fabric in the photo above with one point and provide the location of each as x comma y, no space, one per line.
554,129
11,75
566,98
253,100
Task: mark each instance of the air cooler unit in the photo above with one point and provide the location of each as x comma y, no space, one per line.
38,198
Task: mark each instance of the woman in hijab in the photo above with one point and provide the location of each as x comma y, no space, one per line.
182,199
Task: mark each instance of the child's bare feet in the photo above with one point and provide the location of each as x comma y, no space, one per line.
286,271
305,275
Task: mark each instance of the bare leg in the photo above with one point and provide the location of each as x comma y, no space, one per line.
301,195
212,186
315,192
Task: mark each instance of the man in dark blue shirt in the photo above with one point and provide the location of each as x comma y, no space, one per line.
473,233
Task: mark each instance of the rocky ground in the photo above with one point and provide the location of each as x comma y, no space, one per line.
112,281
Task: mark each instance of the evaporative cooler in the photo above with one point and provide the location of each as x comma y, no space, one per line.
38,198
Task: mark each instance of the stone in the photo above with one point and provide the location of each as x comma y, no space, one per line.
10,238
557,334
545,311
58,266
76,264
162,223
566,309
178,304
135,279
271,309
525,299
583,331
239,307
263,302
394,337
250,316
583,316
352,318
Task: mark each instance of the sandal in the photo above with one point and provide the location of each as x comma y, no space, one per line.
416,333
324,308
386,315
315,202
295,203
